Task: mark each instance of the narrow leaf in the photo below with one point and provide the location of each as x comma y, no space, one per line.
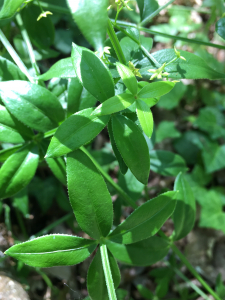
220,27
58,168
21,98
146,220
61,69
9,71
123,167
6,153
91,18
88,195
77,130
17,171
114,104
128,78
167,163
132,146
145,117
143,253
53,250
75,89
156,89
185,211
96,279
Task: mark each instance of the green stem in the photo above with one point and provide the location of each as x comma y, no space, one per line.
21,223
39,4
156,12
107,272
28,44
15,56
115,42
194,272
120,191
52,225
52,7
138,42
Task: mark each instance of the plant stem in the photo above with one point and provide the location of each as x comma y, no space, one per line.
107,272
56,8
15,56
156,12
28,43
115,42
21,223
120,191
194,272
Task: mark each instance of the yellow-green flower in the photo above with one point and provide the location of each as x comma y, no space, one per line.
158,73
134,70
178,54
44,15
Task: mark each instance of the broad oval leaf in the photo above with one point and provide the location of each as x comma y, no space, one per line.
9,8
17,171
147,7
91,18
167,163
58,168
76,131
220,27
53,250
146,220
42,32
185,211
128,78
114,104
9,71
193,68
132,146
143,253
96,284
145,117
61,69
123,167
156,89
92,72
89,196
21,98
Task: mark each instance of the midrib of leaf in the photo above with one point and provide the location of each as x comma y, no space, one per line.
128,230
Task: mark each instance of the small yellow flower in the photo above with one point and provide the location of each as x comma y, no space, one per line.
134,70
158,73
123,3
44,15
178,54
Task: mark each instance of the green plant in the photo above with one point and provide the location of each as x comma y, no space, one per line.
31,114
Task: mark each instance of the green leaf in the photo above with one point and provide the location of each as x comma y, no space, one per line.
123,167
21,202
42,32
5,153
143,253
128,78
75,89
146,220
58,168
114,104
91,18
21,98
213,157
155,89
132,146
53,250
193,68
92,72
61,69
147,7
88,195
10,8
220,27
9,127
17,171
185,211
166,129
145,117
167,163
77,130
96,279
9,71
